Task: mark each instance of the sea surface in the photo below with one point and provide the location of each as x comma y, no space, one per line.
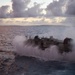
31,65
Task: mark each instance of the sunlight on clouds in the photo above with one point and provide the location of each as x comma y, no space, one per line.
43,12
32,21
65,6
48,20
7,3
59,19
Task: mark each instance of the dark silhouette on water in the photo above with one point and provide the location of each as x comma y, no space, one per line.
36,40
44,42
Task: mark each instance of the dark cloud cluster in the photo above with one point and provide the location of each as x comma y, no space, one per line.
53,8
34,11
71,8
4,11
20,9
61,8
56,8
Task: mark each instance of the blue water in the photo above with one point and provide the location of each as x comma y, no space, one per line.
37,67
33,66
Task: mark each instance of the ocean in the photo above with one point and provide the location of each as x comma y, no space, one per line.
32,65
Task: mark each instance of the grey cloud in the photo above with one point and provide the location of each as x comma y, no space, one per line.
19,7
4,11
71,7
55,8
69,21
34,11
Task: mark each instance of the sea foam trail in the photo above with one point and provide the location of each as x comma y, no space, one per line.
48,54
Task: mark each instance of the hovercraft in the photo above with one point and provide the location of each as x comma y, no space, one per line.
43,48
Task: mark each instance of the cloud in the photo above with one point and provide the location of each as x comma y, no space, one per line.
32,21
61,8
71,7
34,11
69,21
4,11
56,8
19,7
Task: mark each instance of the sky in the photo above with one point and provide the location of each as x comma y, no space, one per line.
37,12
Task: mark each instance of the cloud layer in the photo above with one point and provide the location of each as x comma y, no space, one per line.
20,9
